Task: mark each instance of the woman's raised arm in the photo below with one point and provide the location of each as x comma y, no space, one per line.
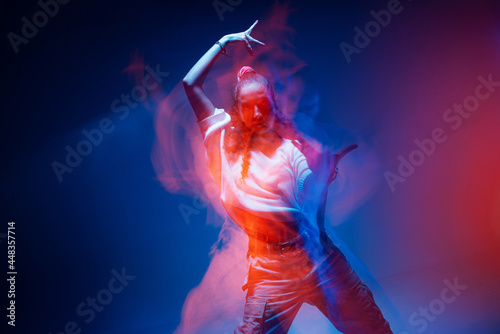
193,81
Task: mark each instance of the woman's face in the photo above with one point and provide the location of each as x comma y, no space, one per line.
256,107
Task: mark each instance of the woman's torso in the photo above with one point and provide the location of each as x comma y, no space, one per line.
265,203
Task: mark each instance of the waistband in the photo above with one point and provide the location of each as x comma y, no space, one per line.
259,245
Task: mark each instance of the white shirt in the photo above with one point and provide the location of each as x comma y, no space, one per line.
274,187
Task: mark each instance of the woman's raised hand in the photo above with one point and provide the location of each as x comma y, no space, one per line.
244,37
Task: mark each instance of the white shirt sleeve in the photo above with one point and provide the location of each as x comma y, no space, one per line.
302,174
301,170
308,186
211,129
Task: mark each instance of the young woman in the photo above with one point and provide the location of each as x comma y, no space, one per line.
274,186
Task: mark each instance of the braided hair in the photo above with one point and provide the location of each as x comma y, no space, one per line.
238,138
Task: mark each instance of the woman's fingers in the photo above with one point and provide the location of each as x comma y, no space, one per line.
249,47
249,30
346,150
256,41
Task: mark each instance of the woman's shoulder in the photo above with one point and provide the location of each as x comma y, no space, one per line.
292,148
217,120
293,144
